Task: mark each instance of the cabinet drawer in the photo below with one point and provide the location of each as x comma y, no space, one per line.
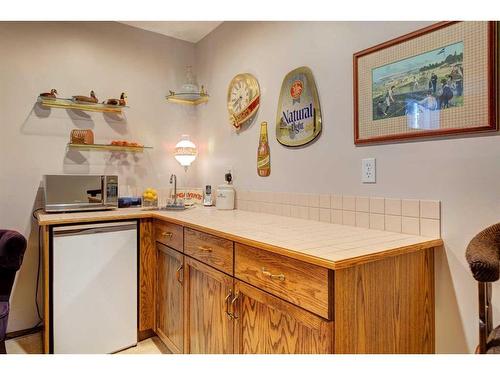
300,283
170,235
214,251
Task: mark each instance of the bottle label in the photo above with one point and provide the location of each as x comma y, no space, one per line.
263,162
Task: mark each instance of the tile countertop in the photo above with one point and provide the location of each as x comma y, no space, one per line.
330,245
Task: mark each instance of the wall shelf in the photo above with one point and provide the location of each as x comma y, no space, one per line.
187,97
101,147
70,104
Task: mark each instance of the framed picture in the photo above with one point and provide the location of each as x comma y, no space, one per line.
437,81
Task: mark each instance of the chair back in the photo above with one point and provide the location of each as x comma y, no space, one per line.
483,256
12,248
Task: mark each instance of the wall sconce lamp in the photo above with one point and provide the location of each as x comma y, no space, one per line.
185,151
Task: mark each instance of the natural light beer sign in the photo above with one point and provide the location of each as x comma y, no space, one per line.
298,120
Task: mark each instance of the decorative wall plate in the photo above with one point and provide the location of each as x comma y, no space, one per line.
298,120
243,98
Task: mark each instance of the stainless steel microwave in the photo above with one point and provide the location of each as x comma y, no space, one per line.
80,192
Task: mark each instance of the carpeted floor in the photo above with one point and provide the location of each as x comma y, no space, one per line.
32,344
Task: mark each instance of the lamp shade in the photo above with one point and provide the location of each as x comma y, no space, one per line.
185,151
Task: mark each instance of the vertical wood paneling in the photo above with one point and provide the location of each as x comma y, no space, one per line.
386,306
170,298
269,325
207,327
147,267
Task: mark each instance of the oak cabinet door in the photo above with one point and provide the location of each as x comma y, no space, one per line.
208,293
265,324
170,298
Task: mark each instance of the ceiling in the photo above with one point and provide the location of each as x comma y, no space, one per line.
191,31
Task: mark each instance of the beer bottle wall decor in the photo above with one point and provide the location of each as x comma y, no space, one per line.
298,119
263,154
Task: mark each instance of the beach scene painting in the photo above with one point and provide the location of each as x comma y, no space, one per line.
431,81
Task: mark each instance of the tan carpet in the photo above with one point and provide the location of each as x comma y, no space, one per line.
32,344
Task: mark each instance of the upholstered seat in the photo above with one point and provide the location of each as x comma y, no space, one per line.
483,256
12,248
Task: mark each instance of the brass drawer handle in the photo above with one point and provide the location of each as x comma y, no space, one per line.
226,301
178,274
167,234
233,314
208,249
279,277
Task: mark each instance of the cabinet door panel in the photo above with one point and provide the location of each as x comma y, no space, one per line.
268,325
208,293
170,298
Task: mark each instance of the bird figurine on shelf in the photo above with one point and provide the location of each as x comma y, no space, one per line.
120,102
49,95
86,99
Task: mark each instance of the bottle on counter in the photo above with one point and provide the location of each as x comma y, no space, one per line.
263,153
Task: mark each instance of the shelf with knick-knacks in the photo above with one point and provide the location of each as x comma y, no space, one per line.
83,140
192,98
189,93
83,103
104,147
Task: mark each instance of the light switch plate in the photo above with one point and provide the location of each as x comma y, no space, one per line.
368,171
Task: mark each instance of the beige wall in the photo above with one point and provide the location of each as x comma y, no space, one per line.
461,172
75,58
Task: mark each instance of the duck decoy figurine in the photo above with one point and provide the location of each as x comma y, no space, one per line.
49,95
120,102
123,102
87,99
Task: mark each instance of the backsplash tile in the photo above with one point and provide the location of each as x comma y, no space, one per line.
337,216
336,201
411,216
362,204
325,215
377,205
363,219
324,201
430,227
410,225
410,207
349,203
348,218
429,209
377,221
392,206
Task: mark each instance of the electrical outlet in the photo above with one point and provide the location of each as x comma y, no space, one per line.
368,171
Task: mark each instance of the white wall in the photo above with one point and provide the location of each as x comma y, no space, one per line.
73,57
462,172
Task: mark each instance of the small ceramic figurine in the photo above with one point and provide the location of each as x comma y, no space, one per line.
120,101
123,96
49,95
87,99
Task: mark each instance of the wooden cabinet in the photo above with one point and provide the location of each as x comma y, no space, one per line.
279,304
207,296
170,298
265,324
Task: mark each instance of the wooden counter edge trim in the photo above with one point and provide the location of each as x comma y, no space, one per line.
73,220
334,265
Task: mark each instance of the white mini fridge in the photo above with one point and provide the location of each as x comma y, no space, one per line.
94,288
